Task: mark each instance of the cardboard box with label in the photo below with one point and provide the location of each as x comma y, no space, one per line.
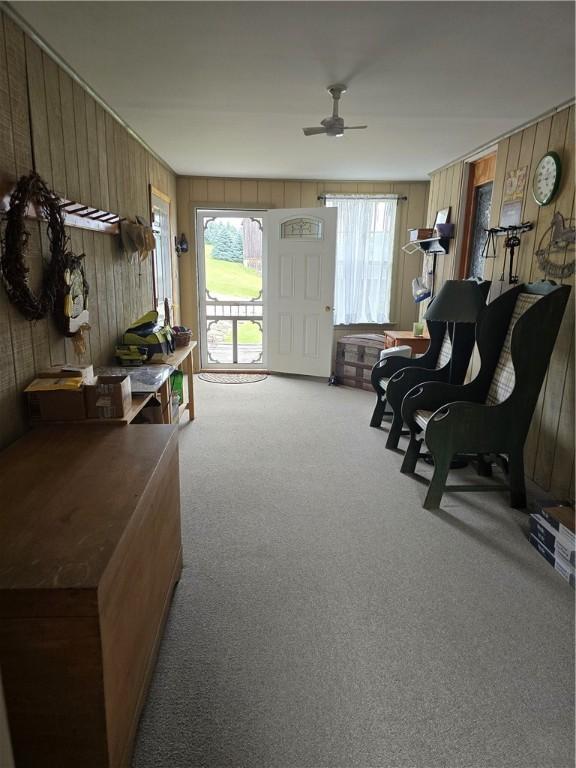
108,397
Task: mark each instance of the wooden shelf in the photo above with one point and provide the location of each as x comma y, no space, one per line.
426,244
176,358
138,402
180,358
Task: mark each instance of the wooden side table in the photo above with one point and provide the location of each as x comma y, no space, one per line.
419,344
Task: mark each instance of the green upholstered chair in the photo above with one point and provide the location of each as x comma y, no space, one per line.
489,417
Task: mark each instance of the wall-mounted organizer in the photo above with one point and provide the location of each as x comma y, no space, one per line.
432,242
438,243
77,215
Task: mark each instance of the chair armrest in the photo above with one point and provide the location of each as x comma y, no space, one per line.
386,368
432,395
406,379
469,427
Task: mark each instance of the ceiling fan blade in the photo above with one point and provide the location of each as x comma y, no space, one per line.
313,131
354,127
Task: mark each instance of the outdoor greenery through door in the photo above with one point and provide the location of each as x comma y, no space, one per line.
230,288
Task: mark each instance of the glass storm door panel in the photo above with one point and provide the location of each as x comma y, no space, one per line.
481,222
230,269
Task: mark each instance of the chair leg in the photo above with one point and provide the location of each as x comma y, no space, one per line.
517,482
484,467
438,482
379,410
395,431
411,455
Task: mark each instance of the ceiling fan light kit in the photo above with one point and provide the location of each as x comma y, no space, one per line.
333,126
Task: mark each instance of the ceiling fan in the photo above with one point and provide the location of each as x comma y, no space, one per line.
334,125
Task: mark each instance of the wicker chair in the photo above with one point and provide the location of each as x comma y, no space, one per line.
451,366
490,416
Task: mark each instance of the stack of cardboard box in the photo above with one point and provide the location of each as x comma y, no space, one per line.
75,394
552,535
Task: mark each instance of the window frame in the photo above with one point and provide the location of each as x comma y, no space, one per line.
157,196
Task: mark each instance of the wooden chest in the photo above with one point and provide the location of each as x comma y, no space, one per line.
355,358
90,549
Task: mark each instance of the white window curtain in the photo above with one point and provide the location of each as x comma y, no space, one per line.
364,254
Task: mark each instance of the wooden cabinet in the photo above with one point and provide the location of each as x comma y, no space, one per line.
90,551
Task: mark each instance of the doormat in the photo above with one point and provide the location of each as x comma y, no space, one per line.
232,378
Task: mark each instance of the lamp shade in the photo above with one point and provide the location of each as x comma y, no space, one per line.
458,301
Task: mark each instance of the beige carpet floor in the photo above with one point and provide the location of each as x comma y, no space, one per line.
324,619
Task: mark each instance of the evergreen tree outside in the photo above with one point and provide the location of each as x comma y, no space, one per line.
226,240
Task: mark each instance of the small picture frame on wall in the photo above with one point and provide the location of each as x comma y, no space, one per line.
511,214
442,216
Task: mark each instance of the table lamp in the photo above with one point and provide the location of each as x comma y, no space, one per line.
458,301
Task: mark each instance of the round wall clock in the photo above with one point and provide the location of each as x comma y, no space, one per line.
546,178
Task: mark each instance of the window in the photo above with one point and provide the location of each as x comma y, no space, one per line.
302,229
163,288
364,254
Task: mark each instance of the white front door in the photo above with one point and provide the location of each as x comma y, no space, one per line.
299,263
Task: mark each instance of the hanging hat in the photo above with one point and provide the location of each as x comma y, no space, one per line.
137,239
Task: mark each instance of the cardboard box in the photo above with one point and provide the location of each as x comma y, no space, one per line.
108,397
56,399
85,372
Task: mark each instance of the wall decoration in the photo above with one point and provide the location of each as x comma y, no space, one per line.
511,214
71,308
515,184
513,197
442,216
32,191
512,242
555,252
547,178
136,239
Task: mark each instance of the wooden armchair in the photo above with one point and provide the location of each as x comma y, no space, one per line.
451,366
437,354
490,416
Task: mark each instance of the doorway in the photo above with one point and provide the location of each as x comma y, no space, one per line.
266,289
230,288
477,216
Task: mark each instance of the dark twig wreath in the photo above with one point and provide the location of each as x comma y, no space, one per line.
32,190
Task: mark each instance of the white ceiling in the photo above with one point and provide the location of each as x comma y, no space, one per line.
223,89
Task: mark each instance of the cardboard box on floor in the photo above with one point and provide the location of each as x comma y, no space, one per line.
108,397
56,399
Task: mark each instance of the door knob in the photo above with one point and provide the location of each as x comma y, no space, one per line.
327,308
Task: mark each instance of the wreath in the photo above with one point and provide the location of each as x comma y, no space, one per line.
32,190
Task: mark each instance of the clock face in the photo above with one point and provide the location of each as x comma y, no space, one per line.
546,178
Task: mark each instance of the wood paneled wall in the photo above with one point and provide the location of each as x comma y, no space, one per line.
195,192
550,446
49,123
